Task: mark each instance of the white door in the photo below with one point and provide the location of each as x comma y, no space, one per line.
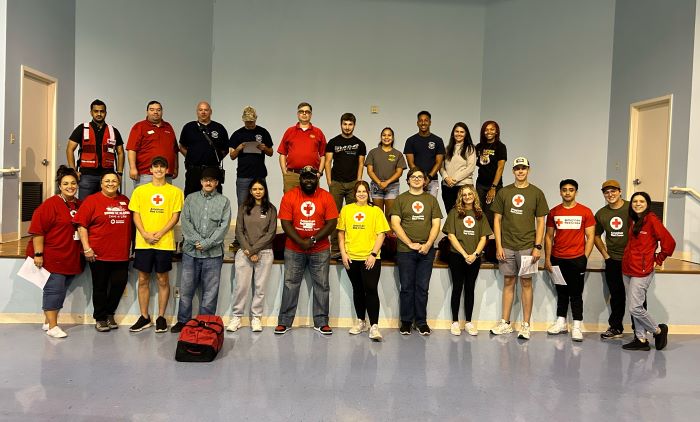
37,140
650,137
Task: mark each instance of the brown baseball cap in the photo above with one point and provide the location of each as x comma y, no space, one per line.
612,183
249,114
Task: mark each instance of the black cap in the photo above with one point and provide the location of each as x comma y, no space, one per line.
212,173
159,160
308,171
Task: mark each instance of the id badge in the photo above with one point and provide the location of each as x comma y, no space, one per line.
110,150
76,236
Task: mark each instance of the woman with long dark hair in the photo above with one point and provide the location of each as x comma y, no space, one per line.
385,165
55,246
361,231
459,164
646,234
256,226
467,229
491,159
104,225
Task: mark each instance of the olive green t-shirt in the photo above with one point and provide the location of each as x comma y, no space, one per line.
468,230
417,213
614,224
519,207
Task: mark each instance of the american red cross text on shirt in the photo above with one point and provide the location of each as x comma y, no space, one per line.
417,206
518,200
616,223
157,199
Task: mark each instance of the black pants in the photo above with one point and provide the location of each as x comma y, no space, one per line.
364,289
613,279
463,276
449,196
490,248
574,271
193,182
108,282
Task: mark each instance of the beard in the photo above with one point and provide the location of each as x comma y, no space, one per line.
309,187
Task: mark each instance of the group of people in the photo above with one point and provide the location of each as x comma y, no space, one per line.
350,222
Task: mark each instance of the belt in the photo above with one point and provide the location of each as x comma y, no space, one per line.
297,171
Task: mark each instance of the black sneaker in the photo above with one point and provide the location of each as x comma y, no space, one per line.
281,329
141,324
325,330
611,333
405,328
177,327
637,344
661,339
112,323
424,330
101,326
161,325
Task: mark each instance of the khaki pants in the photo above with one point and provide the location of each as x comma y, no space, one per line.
340,191
289,181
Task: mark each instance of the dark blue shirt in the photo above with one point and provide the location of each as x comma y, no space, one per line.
424,150
251,166
199,152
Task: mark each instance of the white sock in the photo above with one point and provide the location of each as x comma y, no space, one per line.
561,320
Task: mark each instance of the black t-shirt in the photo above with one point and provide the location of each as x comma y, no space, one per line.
487,158
251,166
199,152
346,157
424,150
77,137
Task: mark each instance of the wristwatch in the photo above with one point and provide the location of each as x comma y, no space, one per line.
313,240
374,254
538,247
38,254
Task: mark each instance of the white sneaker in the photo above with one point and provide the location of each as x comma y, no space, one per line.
255,325
56,332
524,332
359,327
503,327
471,329
454,329
45,326
374,333
576,334
557,328
235,324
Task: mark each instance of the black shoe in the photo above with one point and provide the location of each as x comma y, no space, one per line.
424,330
281,329
161,325
611,333
405,328
637,344
101,326
661,339
177,327
112,323
141,324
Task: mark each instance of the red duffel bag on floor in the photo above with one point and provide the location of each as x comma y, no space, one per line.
200,339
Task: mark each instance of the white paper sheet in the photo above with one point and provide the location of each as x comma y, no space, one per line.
527,266
34,275
556,276
251,147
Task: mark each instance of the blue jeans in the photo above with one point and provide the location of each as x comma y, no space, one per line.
204,272
414,276
88,184
55,291
294,265
242,185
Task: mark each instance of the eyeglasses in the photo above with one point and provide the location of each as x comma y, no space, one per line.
416,177
304,111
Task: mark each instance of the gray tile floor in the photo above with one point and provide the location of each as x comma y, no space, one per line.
304,376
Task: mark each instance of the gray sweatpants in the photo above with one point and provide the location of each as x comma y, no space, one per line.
636,288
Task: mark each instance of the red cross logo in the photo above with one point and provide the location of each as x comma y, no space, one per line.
417,207
558,222
359,217
157,199
616,223
308,208
518,200
469,221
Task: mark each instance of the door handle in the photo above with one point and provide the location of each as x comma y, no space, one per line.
45,162
636,182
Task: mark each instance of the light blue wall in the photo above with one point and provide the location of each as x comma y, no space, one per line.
3,43
547,82
41,35
692,205
653,57
340,56
144,50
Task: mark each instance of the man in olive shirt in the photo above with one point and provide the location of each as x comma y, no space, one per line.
611,220
519,212
415,218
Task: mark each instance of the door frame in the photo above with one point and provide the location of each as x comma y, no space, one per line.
635,109
51,147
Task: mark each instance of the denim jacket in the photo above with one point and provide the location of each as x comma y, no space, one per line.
205,219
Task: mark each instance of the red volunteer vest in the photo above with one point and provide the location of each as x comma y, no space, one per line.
88,151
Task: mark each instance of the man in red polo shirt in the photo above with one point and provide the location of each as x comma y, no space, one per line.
302,145
308,215
150,138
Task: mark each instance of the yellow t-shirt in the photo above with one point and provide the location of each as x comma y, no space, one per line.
361,225
156,205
